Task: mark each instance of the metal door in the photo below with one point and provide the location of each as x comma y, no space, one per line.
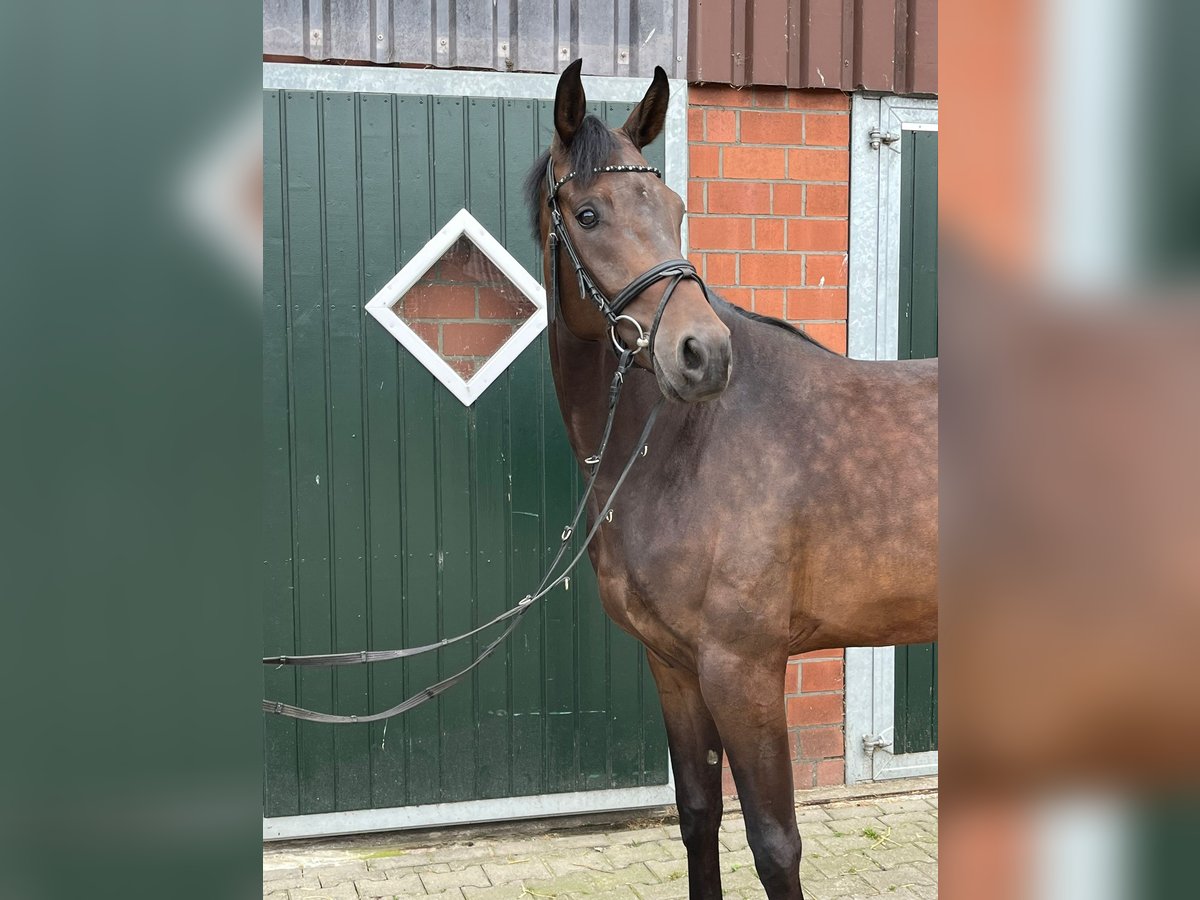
891,692
394,513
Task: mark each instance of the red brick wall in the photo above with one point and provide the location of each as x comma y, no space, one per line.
768,201
464,308
768,228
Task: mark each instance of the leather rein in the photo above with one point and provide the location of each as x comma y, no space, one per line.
677,270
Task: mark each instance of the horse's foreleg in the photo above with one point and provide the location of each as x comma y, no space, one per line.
696,761
746,700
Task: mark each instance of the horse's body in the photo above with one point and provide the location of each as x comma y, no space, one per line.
795,510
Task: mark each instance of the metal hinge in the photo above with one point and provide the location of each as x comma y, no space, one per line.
882,137
873,742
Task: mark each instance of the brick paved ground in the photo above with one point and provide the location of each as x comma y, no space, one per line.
881,846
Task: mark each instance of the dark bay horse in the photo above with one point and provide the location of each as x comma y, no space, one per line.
788,501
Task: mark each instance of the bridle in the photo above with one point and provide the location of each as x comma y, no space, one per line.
677,270
613,310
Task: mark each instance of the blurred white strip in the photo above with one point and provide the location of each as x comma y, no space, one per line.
1090,120
219,194
1082,849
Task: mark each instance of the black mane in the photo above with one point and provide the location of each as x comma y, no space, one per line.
591,148
720,302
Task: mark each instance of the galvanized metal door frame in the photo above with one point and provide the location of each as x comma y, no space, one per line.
874,334
289,76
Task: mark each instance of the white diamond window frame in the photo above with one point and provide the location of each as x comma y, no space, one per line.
463,224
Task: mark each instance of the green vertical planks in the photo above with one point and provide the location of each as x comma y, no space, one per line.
419,601
916,699
281,784
395,515
918,337
378,166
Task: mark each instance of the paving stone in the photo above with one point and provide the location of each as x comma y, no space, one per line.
854,811
639,835
392,886
891,857
333,875
806,814
292,882
667,869
472,875
590,860
621,855
897,877
577,882
666,890
845,886
511,891
278,874
621,893
515,870
734,840
844,864
339,892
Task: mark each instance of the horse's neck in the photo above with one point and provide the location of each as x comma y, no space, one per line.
583,371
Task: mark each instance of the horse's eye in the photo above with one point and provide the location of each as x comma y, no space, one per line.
587,218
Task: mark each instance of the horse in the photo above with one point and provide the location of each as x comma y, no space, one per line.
787,500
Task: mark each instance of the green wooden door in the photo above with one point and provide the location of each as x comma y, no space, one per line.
393,513
916,713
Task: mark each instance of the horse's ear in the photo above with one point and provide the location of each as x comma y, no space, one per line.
570,104
646,121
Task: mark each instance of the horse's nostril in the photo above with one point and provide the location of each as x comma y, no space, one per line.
692,355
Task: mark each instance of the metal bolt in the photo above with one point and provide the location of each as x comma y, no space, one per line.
379,37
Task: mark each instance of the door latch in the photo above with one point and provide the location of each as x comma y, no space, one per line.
882,137
873,742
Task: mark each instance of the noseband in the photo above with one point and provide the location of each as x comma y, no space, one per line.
613,310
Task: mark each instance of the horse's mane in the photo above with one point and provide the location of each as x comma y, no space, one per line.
591,148
720,302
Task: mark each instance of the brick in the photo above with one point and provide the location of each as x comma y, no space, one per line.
760,163
814,709
816,303
695,124
827,200
825,271
771,270
772,128
820,743
466,366
426,331
719,95
438,301
721,268
772,98
697,260
815,99
721,127
473,339
836,653
747,199
704,161
827,130
831,334
695,197
791,678
728,787
818,165
738,296
711,233
506,304
788,199
768,234
803,774
769,302
818,234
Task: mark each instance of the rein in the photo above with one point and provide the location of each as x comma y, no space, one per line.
677,270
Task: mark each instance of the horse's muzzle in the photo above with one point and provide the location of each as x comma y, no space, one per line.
698,367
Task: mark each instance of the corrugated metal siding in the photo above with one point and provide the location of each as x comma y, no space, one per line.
614,37
395,515
877,45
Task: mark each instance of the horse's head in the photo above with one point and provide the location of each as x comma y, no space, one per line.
615,226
